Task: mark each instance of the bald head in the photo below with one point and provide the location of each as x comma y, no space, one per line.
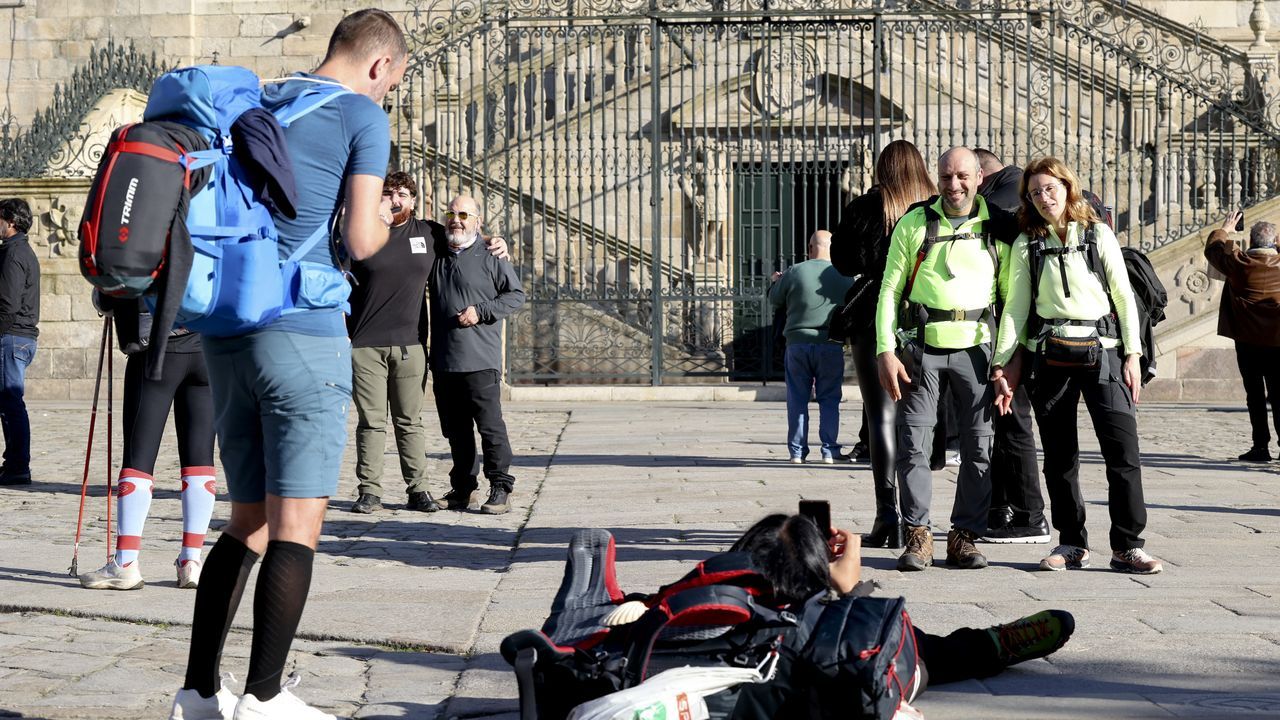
959,176
820,245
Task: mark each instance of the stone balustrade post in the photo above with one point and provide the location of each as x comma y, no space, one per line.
448,109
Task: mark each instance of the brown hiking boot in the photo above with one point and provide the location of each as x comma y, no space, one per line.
919,552
961,551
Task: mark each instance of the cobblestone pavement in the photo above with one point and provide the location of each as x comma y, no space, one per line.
407,609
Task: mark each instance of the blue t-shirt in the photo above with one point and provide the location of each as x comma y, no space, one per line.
350,135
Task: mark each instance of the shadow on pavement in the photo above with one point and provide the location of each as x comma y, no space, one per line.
1217,509
477,548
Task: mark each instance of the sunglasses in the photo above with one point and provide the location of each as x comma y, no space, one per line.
463,216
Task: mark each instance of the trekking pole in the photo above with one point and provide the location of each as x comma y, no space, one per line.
88,451
111,382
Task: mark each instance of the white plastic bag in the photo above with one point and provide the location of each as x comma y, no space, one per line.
675,694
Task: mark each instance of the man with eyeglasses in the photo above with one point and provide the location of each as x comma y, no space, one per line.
471,293
388,326
937,308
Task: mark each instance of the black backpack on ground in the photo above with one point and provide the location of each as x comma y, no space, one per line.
850,657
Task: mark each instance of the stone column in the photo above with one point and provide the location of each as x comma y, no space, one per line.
448,107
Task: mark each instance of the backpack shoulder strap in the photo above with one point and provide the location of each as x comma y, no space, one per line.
930,239
313,98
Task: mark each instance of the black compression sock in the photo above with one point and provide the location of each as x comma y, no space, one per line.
283,582
222,582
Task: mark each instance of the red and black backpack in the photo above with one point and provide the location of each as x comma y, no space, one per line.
138,199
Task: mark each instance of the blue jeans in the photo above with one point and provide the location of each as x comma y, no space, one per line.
280,404
16,353
818,367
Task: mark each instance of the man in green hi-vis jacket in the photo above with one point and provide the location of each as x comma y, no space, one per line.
934,324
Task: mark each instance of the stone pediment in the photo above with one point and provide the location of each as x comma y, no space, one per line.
787,88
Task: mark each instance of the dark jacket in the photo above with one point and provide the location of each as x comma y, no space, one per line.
1250,308
19,288
860,242
471,277
1001,188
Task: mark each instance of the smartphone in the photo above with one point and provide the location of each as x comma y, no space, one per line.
819,511
1240,222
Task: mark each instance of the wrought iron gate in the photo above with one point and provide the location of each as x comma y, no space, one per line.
652,162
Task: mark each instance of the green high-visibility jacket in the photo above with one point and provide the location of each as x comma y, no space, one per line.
956,275
1089,300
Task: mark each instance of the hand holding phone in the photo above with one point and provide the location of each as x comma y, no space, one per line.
819,511
1240,221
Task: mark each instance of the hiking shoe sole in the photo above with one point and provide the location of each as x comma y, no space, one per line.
1020,540
975,563
912,564
114,584
1127,568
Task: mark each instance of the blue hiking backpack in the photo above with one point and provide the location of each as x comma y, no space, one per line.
238,282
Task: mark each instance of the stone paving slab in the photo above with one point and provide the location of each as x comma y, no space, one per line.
407,609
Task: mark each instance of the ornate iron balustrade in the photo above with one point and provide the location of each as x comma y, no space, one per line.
57,136
655,160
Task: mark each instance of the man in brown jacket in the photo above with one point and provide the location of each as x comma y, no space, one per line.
1250,315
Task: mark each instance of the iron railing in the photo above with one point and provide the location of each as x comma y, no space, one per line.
656,160
57,137
653,161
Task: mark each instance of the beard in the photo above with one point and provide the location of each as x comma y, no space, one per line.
400,214
460,238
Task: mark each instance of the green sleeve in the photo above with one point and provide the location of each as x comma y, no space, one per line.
903,245
1017,302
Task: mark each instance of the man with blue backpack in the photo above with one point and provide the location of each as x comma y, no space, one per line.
281,391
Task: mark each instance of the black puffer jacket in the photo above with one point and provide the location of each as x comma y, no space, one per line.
859,246
1001,188
860,243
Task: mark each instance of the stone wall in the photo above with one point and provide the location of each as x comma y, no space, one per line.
51,37
70,328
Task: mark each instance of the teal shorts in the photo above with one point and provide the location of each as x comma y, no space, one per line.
280,403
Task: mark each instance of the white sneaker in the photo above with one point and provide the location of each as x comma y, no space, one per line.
189,705
285,706
113,577
188,573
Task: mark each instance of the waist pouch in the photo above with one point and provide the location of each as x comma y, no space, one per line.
1072,352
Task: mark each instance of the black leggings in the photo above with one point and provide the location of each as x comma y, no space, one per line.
881,418
965,654
184,384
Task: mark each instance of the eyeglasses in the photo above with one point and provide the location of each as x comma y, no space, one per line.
463,216
1047,190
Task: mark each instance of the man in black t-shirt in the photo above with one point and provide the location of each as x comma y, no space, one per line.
388,327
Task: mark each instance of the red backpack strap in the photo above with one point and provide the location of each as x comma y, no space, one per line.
711,605
729,568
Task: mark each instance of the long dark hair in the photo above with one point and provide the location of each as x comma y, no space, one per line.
903,180
791,553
